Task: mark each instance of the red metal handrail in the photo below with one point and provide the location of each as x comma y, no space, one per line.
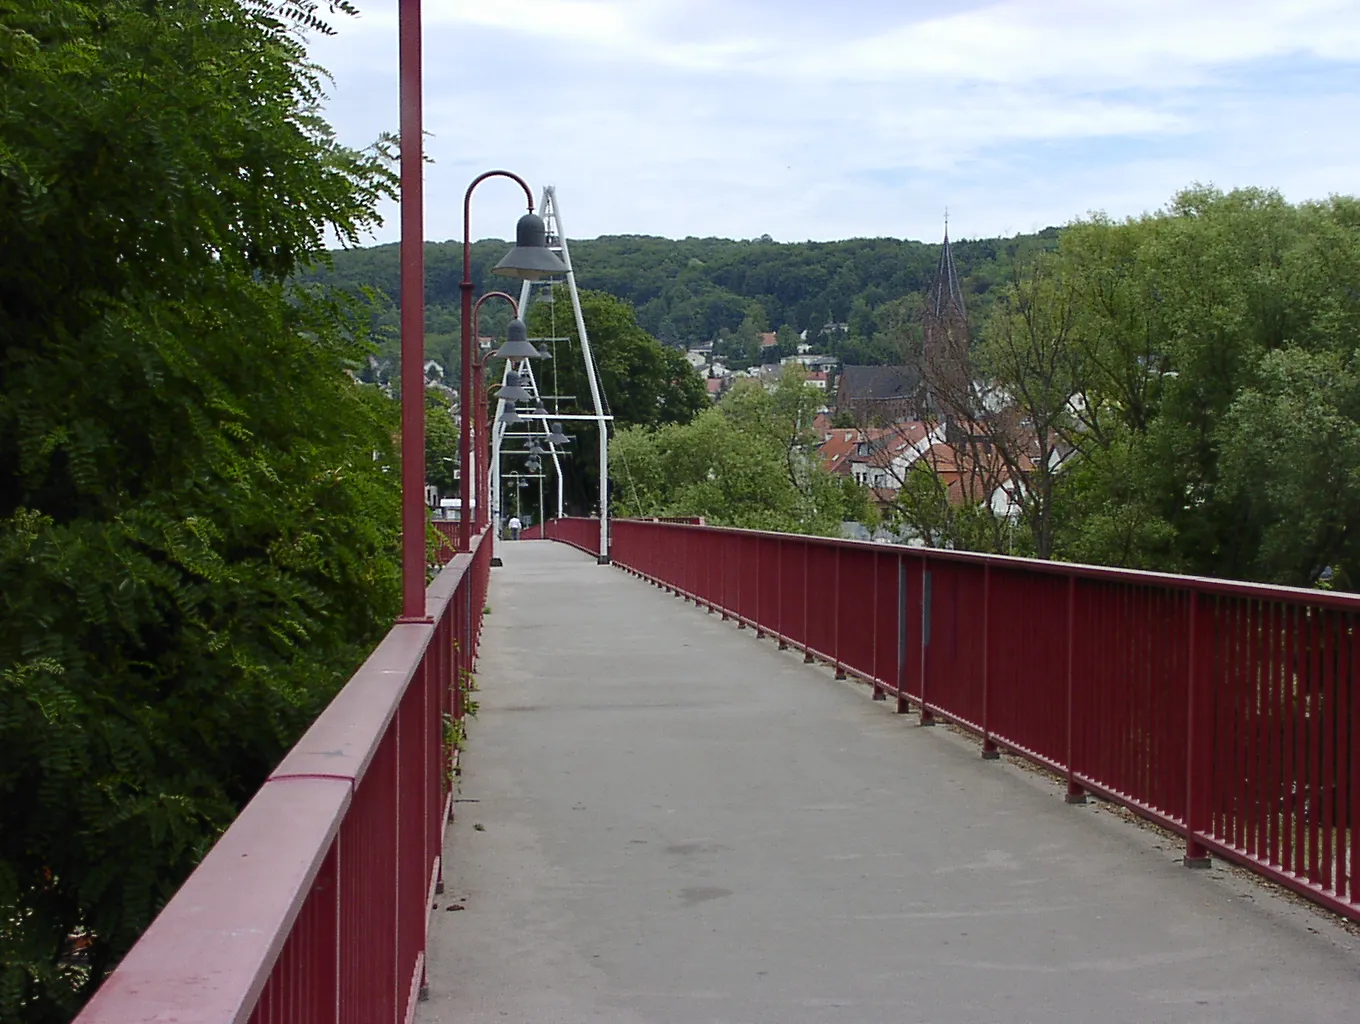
314,905
579,533
1227,712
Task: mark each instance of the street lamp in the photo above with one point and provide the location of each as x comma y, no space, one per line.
482,488
529,260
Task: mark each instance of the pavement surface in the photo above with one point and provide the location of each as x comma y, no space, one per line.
663,819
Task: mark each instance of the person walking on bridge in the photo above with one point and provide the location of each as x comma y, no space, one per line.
514,526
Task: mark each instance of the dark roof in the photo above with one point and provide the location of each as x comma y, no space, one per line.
878,383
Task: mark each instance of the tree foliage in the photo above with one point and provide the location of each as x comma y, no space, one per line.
1195,373
198,504
643,382
691,290
751,461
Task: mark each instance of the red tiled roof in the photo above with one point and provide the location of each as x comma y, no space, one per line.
838,450
768,339
714,385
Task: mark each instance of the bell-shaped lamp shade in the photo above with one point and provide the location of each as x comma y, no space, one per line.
510,417
535,448
534,465
530,259
544,353
556,436
512,390
516,343
540,409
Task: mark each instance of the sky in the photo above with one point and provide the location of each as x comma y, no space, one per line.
808,119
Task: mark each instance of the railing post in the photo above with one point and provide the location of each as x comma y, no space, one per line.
782,630
989,751
879,693
927,716
1076,794
1198,766
903,704
807,585
760,589
836,635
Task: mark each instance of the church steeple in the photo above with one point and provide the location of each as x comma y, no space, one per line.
946,293
947,371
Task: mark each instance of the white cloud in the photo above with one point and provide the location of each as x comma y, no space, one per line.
807,120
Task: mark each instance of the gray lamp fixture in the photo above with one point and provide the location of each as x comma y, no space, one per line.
534,465
535,448
510,416
517,343
540,409
530,259
512,390
543,352
556,436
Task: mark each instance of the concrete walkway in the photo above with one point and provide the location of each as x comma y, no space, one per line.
666,820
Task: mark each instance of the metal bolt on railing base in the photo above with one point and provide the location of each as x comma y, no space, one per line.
989,750
927,718
1075,794
1197,863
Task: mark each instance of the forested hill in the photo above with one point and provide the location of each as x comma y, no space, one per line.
692,289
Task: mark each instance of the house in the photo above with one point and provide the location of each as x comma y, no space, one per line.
696,359
716,386
880,394
813,362
768,339
817,380
877,457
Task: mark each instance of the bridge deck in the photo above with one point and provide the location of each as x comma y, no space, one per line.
666,820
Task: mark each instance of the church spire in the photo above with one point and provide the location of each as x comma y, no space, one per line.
946,369
946,293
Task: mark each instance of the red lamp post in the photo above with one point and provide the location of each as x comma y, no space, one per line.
530,259
412,319
479,389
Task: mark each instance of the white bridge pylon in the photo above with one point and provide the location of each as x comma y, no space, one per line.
537,427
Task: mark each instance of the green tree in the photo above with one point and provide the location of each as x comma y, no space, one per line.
642,381
197,502
441,442
751,462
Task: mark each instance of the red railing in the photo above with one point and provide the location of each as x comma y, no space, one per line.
448,540
314,905
579,533
1227,712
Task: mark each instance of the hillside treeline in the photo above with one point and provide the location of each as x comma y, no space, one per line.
695,289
